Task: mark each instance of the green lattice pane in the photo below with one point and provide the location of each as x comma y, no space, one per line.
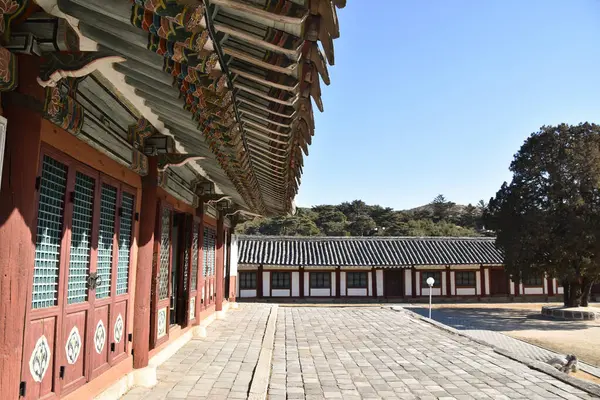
49,232
125,228
108,206
208,251
163,272
186,257
79,260
195,233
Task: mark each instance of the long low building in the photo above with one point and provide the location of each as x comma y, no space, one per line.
379,267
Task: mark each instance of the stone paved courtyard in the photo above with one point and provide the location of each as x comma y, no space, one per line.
346,353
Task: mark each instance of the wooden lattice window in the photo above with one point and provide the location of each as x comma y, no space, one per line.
280,280
356,280
320,280
53,183
165,251
465,278
125,235
195,238
436,275
247,280
81,231
208,247
533,281
106,233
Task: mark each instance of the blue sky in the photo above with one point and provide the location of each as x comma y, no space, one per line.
436,96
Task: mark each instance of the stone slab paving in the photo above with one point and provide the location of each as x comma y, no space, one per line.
475,326
219,366
377,353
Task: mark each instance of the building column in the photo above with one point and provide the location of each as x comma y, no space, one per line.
259,282
413,276
338,283
550,283
17,222
220,265
448,281
143,276
482,279
374,281
301,281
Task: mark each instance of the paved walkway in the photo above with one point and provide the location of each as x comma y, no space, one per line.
480,328
371,353
345,353
219,366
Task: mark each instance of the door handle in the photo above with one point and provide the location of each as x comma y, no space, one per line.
61,373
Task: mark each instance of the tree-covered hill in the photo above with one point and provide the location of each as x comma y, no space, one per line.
438,218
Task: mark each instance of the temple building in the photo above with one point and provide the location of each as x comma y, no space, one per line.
395,268
134,135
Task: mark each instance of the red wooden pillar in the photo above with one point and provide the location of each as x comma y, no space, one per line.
143,276
301,282
338,283
448,282
17,223
550,283
374,281
259,282
220,265
413,277
200,298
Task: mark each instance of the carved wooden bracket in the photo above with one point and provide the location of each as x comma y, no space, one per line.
175,160
8,70
137,133
61,108
77,64
10,10
139,162
163,179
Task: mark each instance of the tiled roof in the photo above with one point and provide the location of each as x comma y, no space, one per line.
366,251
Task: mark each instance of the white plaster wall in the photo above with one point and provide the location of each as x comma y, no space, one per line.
357,292
266,283
281,293
247,293
534,290
521,291
379,282
342,283
545,285
465,291
295,284
370,283
452,283
478,282
307,284
560,290
435,292
233,258
320,292
486,278
444,283
407,282
512,287
333,284
418,283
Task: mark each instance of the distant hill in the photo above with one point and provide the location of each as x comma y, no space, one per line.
356,218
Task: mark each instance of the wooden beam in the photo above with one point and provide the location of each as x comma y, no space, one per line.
267,130
261,107
259,12
257,116
292,53
262,95
290,70
265,82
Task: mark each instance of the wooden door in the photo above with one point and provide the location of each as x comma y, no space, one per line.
194,266
70,311
498,282
393,283
161,287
